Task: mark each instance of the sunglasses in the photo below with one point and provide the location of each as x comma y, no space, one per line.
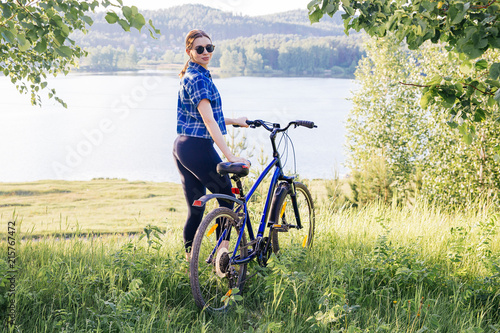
200,49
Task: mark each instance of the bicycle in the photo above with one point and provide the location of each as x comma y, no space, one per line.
221,248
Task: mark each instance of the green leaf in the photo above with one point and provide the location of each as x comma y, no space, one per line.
314,3
456,12
124,24
479,115
135,10
460,88
9,36
330,8
497,96
466,67
481,64
87,20
24,44
425,99
127,12
157,31
468,138
495,71
472,51
315,16
436,80
493,83
6,12
491,101
429,6
494,42
448,96
111,17
64,51
138,22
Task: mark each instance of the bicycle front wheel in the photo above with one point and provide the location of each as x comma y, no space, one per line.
212,276
285,233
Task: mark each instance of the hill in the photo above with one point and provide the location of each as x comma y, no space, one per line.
272,35
175,22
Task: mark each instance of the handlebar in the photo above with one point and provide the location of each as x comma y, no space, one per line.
277,127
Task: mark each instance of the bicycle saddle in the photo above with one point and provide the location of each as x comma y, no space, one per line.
239,169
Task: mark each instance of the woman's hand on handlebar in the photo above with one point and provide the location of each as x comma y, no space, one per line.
239,122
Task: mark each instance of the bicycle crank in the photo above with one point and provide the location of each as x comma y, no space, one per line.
264,251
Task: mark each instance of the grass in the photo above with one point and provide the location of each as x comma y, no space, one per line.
374,269
98,206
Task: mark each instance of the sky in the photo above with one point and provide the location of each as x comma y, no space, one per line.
244,7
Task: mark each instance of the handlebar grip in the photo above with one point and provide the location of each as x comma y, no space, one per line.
254,123
249,123
305,123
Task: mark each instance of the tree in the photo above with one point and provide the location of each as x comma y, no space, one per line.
417,146
35,38
468,29
232,61
386,130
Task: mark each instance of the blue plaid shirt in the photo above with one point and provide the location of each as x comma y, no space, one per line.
197,85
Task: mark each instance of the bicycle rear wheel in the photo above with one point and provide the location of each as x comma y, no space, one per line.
211,274
284,235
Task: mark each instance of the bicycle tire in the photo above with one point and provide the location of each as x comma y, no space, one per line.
209,284
283,215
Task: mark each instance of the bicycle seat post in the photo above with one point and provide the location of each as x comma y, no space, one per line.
239,186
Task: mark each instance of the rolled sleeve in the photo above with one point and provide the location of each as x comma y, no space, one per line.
198,90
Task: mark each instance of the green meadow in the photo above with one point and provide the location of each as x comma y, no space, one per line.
107,256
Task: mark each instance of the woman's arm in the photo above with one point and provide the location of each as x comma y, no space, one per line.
213,128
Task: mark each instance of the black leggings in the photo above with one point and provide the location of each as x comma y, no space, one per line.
197,160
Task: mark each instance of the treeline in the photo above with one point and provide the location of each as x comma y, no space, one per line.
109,59
281,44
285,55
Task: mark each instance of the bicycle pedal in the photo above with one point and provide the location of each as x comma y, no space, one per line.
281,227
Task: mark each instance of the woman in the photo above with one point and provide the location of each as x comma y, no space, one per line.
200,124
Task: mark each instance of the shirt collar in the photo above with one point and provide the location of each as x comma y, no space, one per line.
200,68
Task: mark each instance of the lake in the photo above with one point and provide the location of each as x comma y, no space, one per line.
124,125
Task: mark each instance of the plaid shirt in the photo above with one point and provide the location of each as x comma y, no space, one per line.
197,85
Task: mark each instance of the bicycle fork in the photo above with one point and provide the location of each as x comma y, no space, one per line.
285,227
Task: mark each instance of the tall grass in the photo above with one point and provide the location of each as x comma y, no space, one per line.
372,269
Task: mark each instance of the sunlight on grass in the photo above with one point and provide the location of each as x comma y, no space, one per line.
372,269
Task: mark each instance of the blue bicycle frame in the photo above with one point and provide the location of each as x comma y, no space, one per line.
278,174
242,203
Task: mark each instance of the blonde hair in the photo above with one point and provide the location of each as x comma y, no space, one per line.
190,37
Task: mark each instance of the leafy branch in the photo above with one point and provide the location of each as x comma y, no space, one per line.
485,6
467,31
34,38
428,86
